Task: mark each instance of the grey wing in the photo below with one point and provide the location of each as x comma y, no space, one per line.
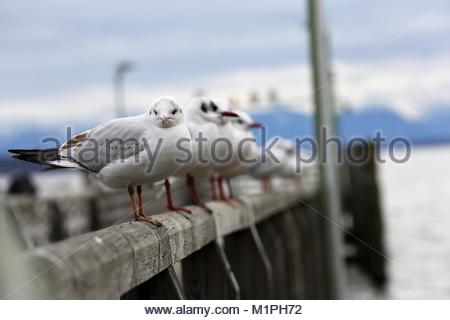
111,141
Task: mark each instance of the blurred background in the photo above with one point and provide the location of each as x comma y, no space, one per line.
391,64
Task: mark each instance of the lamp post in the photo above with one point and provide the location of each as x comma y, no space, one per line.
122,69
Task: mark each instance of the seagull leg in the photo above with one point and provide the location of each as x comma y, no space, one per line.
232,197
194,195
212,185
266,185
133,204
229,188
140,216
170,205
222,194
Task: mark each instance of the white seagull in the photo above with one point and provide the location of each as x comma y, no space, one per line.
245,147
204,120
126,152
226,152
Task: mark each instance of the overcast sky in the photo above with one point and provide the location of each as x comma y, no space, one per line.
58,57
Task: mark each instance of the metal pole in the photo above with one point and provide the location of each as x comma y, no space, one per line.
325,120
119,87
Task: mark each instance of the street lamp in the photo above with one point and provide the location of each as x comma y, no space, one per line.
122,68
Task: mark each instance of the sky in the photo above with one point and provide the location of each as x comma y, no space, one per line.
58,57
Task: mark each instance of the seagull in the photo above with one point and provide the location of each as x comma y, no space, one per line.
204,120
242,126
268,167
288,164
226,154
126,152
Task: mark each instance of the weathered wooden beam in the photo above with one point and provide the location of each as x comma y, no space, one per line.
164,286
250,263
286,227
207,275
311,248
272,241
109,262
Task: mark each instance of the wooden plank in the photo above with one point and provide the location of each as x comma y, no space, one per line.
273,244
207,275
164,286
107,263
286,227
312,261
250,263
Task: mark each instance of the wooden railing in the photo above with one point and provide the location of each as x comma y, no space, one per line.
259,247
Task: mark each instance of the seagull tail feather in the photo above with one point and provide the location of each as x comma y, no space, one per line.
48,157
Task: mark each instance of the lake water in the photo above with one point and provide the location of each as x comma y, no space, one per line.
416,203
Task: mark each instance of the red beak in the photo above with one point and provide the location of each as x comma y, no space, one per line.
228,114
255,125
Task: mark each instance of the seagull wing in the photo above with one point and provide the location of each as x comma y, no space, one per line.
111,141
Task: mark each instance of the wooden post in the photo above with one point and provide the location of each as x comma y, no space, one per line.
164,286
207,275
312,251
250,264
367,216
57,229
286,227
278,256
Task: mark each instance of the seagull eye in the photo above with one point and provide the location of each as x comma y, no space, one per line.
174,112
203,107
240,121
214,107
155,112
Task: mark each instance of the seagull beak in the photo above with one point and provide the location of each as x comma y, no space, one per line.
255,125
228,114
164,119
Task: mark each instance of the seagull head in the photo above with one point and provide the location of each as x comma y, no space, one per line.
202,109
165,112
245,122
223,110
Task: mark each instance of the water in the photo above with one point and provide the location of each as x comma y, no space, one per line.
416,203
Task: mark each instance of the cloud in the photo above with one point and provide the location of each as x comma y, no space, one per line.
409,86
227,47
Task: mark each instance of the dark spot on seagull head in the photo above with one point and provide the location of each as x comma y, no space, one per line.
204,107
214,106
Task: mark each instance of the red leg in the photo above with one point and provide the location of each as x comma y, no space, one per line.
170,205
212,185
194,195
223,196
266,185
133,204
231,192
138,213
229,188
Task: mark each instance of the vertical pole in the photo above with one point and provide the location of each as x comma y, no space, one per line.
327,152
119,88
